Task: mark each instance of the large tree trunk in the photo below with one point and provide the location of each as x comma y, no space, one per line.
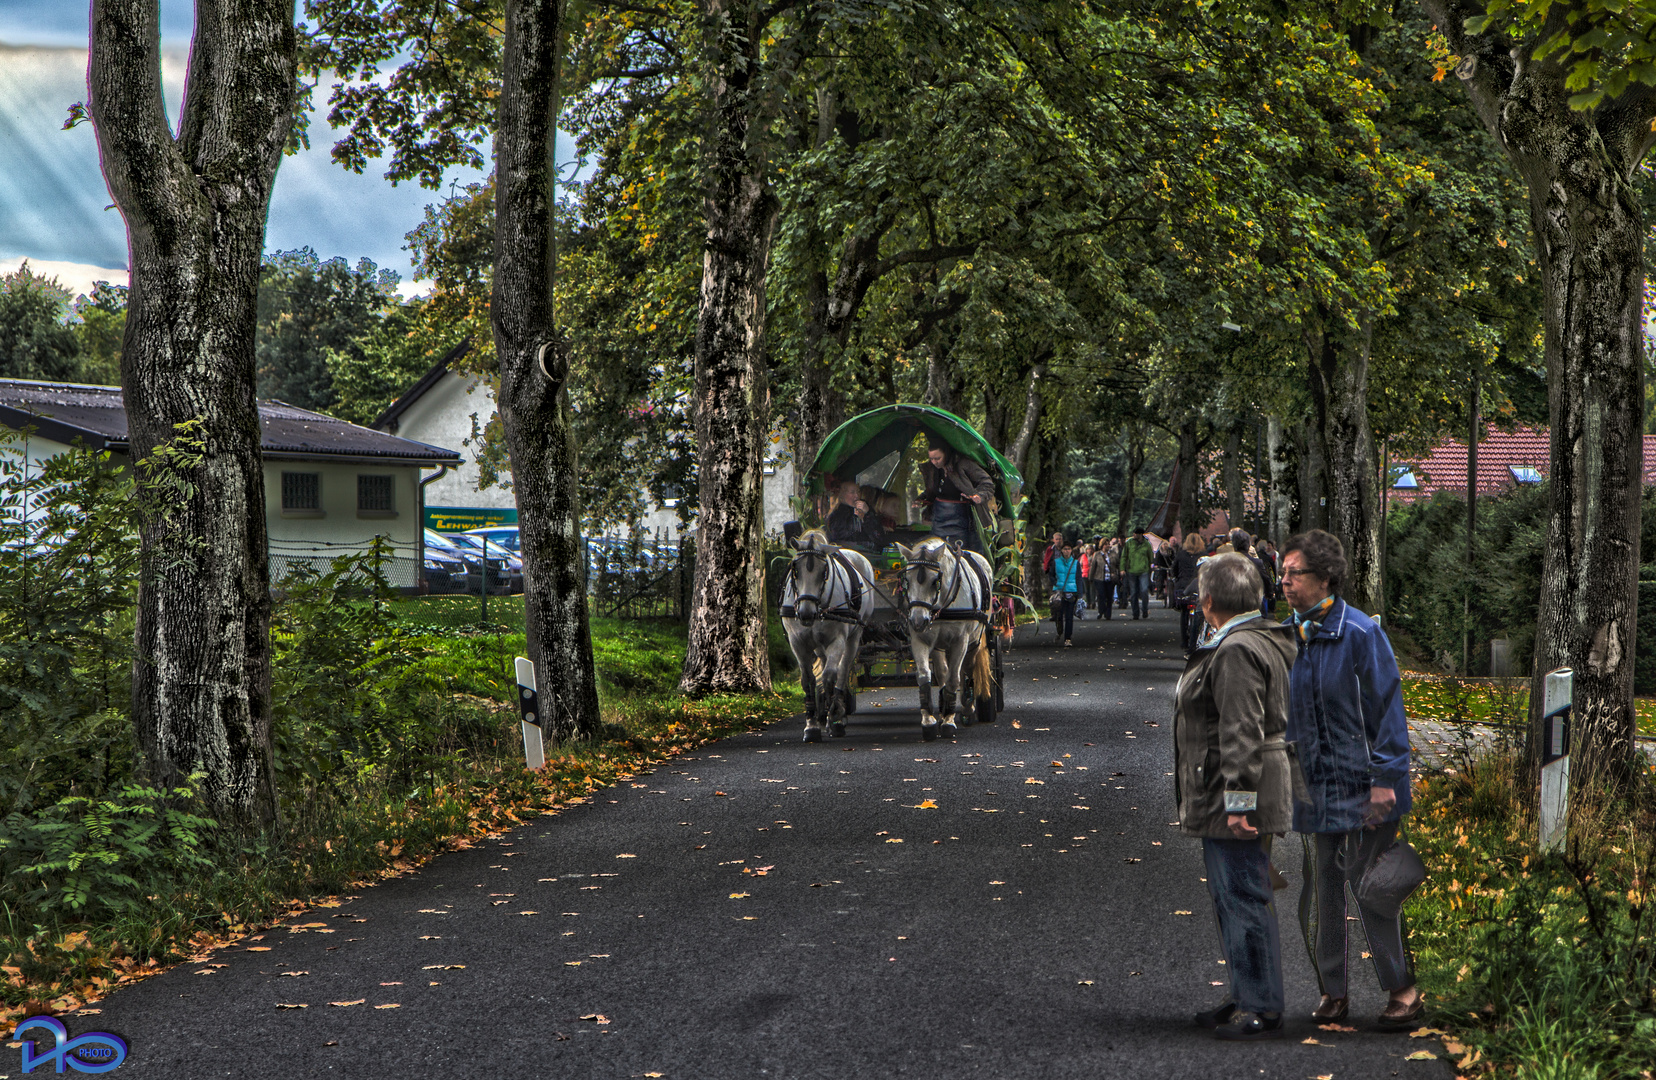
1134,438
1579,167
195,209
1193,514
1279,505
1313,502
727,650
1339,367
534,370
1235,497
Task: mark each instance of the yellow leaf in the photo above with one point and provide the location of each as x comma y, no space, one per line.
285,1005
739,895
1032,780
347,1004
258,948
1181,913
893,840
392,1006
1421,1055
1426,1033
926,804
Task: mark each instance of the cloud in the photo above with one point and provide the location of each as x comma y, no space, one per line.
79,277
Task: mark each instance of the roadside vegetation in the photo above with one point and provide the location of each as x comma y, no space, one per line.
396,734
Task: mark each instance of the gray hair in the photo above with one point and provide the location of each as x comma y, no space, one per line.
1231,581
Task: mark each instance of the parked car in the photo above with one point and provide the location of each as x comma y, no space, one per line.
504,535
476,564
497,555
444,573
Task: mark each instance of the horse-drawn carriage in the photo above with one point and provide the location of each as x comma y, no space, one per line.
892,602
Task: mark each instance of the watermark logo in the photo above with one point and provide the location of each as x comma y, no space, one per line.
94,1052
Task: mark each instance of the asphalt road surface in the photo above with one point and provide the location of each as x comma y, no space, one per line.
1012,903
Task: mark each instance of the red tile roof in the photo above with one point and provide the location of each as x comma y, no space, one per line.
1499,452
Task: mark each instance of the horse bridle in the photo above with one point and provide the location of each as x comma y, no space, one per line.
946,595
833,613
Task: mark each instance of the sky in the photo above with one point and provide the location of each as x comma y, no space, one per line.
54,206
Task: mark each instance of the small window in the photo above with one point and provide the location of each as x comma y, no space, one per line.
301,491
1406,480
374,494
1525,474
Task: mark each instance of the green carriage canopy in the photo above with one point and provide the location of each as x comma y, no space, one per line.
863,440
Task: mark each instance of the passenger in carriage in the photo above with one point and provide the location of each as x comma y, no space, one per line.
854,522
957,490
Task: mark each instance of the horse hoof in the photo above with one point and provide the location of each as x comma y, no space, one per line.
837,729
950,729
928,732
813,734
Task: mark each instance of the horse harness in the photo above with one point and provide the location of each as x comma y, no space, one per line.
851,611
939,610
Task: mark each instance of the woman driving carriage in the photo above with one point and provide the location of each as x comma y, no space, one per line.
955,488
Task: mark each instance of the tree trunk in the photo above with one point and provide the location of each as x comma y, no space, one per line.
1579,167
1193,515
195,209
534,370
1279,505
1134,439
1027,431
1339,367
1235,497
727,650
1313,502
944,388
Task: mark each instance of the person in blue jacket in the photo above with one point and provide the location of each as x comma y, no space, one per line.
1350,741
1066,587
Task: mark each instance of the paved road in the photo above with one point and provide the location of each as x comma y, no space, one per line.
767,909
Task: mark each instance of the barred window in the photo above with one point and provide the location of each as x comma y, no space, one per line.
301,491
374,493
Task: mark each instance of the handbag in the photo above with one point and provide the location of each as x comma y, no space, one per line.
1391,879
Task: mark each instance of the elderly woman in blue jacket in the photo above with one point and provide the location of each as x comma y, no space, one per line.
1351,743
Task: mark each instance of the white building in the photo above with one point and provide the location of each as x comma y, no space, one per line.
446,406
331,487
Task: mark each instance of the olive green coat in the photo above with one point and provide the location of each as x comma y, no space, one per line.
1228,720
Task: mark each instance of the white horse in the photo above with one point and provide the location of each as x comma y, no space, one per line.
826,600
949,593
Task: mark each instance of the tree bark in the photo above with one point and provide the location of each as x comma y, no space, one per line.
727,650
1313,502
1235,497
1279,505
1339,368
1134,441
195,208
1193,515
534,370
1019,455
1579,167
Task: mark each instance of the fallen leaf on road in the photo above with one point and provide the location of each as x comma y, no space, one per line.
293,973
1323,1076
739,895
431,937
572,963
1334,1027
444,967
1084,982
1421,1055
567,914
1132,860
392,1006
497,903
1181,913
391,984
258,948
1426,1032
347,1004
285,1005
528,913
1017,724
1309,1042
893,840
926,804
718,793
624,855
1032,780
1080,808
655,1074
599,1017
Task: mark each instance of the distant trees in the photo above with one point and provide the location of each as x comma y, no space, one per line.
47,335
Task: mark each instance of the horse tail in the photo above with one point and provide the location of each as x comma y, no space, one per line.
983,676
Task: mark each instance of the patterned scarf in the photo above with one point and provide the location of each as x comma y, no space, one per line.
1309,622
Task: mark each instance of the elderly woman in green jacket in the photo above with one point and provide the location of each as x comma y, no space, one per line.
1232,786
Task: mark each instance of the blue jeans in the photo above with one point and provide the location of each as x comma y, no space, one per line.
1239,880
1138,594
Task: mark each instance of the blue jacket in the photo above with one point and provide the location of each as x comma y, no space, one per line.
1346,723
1066,574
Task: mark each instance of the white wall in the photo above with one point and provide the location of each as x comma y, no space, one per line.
339,529
442,417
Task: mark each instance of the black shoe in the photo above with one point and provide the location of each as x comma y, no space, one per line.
1249,1027
1214,1017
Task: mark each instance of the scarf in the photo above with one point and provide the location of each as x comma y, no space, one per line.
1309,622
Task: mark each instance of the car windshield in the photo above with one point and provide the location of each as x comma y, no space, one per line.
478,543
506,538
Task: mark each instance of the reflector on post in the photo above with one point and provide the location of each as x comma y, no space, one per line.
534,750
1559,690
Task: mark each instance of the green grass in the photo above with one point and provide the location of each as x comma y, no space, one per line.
1452,700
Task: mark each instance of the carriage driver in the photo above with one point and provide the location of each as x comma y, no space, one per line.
955,489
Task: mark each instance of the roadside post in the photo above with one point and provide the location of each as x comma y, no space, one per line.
1555,758
534,750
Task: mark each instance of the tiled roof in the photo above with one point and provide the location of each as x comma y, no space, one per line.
1504,460
97,416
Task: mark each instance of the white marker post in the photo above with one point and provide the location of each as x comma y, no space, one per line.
1555,758
534,750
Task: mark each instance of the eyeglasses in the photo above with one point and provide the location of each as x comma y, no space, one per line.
1300,573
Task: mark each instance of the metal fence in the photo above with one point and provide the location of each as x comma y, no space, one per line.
397,562
639,579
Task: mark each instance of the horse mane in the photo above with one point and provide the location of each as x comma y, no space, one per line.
815,539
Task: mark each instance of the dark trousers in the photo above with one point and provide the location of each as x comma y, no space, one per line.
1106,598
1138,586
1239,880
1331,861
1064,615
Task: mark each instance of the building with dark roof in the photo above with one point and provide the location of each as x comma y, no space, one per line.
330,486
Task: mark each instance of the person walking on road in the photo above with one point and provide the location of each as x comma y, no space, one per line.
1232,786
1135,568
1186,561
1066,587
1102,570
1350,740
